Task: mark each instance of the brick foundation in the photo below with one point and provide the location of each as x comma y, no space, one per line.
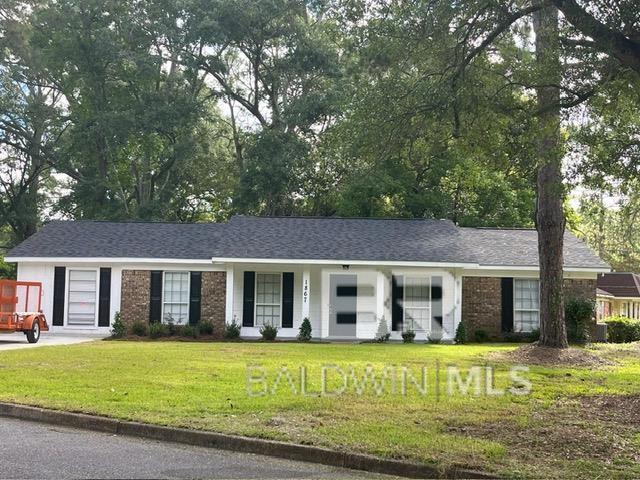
214,294
134,306
482,302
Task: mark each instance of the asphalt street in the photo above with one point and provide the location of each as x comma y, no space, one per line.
34,450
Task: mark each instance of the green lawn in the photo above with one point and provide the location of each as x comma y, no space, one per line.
561,429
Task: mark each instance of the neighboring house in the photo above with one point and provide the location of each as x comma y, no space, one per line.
618,294
344,274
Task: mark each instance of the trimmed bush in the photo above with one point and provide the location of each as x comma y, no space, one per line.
461,334
140,329
622,329
206,328
408,336
157,330
578,316
191,331
118,329
481,336
382,335
232,330
304,334
268,332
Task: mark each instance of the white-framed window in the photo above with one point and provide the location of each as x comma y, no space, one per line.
526,304
175,297
82,297
417,303
268,299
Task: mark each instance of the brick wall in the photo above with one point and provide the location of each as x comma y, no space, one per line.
581,289
482,305
213,300
482,301
134,306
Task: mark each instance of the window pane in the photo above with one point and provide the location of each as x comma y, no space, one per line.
526,305
268,298
175,297
417,303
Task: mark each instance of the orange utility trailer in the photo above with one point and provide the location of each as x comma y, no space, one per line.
21,309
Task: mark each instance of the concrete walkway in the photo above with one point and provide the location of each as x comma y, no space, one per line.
12,341
43,451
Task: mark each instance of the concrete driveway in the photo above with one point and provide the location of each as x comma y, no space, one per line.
12,341
43,451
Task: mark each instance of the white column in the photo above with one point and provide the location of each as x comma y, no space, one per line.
306,292
380,295
229,299
457,299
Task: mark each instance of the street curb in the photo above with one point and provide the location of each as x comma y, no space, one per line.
291,451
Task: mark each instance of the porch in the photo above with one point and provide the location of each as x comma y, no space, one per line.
343,302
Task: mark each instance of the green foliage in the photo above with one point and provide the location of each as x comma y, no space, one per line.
190,331
622,329
118,328
461,334
206,328
382,334
232,330
579,315
481,336
268,332
304,333
141,329
158,329
408,336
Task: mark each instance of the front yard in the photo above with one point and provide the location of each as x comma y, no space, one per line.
576,422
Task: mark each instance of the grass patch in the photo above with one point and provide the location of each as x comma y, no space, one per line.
204,386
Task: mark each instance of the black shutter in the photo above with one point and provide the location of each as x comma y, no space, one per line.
195,292
104,299
507,304
397,298
155,300
287,300
249,291
436,304
58,296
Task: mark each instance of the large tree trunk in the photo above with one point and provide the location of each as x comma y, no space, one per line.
550,221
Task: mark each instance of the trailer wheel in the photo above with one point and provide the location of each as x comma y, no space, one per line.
33,335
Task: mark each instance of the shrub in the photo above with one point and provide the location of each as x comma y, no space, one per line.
268,332
622,329
232,330
578,316
304,334
118,329
461,334
191,331
382,335
140,329
533,335
206,328
157,330
172,328
408,336
481,336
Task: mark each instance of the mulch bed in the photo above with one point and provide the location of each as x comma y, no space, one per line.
535,354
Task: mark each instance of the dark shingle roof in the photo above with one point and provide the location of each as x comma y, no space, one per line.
331,238
519,248
313,238
121,239
620,284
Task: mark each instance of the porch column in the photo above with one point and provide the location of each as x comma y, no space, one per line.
380,295
457,299
229,300
306,292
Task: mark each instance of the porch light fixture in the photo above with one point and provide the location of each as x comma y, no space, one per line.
345,267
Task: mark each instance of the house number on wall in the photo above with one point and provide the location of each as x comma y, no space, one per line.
305,291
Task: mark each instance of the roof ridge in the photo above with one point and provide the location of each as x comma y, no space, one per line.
333,217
